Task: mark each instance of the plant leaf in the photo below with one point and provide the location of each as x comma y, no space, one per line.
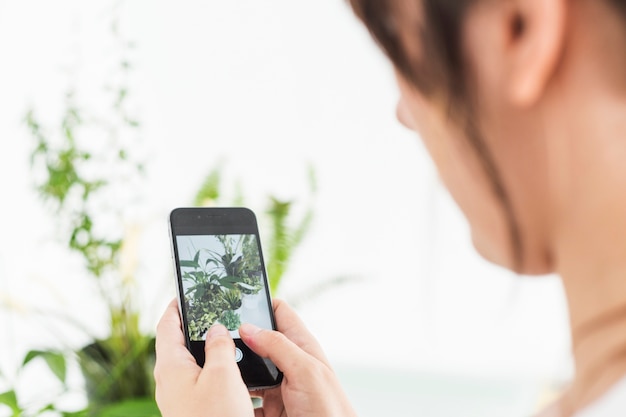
209,192
10,400
48,407
55,361
229,282
189,264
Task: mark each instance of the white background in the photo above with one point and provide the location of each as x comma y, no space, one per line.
266,87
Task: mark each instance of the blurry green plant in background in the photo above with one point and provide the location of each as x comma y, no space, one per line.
282,228
80,165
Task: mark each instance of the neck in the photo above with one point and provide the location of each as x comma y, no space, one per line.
586,154
590,253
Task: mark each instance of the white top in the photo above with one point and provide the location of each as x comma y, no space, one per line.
611,404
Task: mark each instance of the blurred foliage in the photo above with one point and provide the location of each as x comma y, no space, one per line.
56,362
73,178
283,224
282,229
76,183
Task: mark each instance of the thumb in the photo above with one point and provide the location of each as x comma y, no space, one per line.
285,354
219,355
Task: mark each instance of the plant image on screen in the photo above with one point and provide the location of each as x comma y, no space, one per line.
222,281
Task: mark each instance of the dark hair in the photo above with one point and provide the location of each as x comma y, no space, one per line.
439,32
441,68
442,64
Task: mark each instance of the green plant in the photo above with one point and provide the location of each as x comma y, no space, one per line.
230,319
49,404
118,367
203,277
251,283
56,363
284,225
215,278
76,181
233,299
205,315
282,229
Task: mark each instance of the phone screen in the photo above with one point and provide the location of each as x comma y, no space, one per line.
221,279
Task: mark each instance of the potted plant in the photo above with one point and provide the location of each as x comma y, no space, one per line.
213,281
233,299
231,320
117,367
72,182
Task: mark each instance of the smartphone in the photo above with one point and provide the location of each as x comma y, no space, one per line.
221,278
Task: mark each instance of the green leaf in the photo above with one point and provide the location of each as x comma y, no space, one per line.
48,407
209,191
54,360
10,400
31,355
200,276
145,407
189,264
56,363
229,280
229,286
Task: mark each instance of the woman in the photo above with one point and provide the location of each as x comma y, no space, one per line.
522,106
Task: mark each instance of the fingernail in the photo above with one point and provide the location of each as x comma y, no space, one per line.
249,329
217,330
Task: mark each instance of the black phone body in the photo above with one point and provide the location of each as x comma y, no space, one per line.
221,277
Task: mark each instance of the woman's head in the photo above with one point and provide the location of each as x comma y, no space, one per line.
476,78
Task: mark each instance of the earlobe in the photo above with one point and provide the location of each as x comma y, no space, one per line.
537,42
403,114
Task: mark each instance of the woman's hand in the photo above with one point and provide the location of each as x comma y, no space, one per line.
310,387
183,388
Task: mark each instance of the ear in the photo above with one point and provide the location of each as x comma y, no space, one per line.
535,47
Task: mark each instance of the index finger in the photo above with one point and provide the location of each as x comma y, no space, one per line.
219,355
289,323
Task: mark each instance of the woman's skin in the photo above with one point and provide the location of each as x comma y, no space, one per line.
309,386
552,109
550,103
